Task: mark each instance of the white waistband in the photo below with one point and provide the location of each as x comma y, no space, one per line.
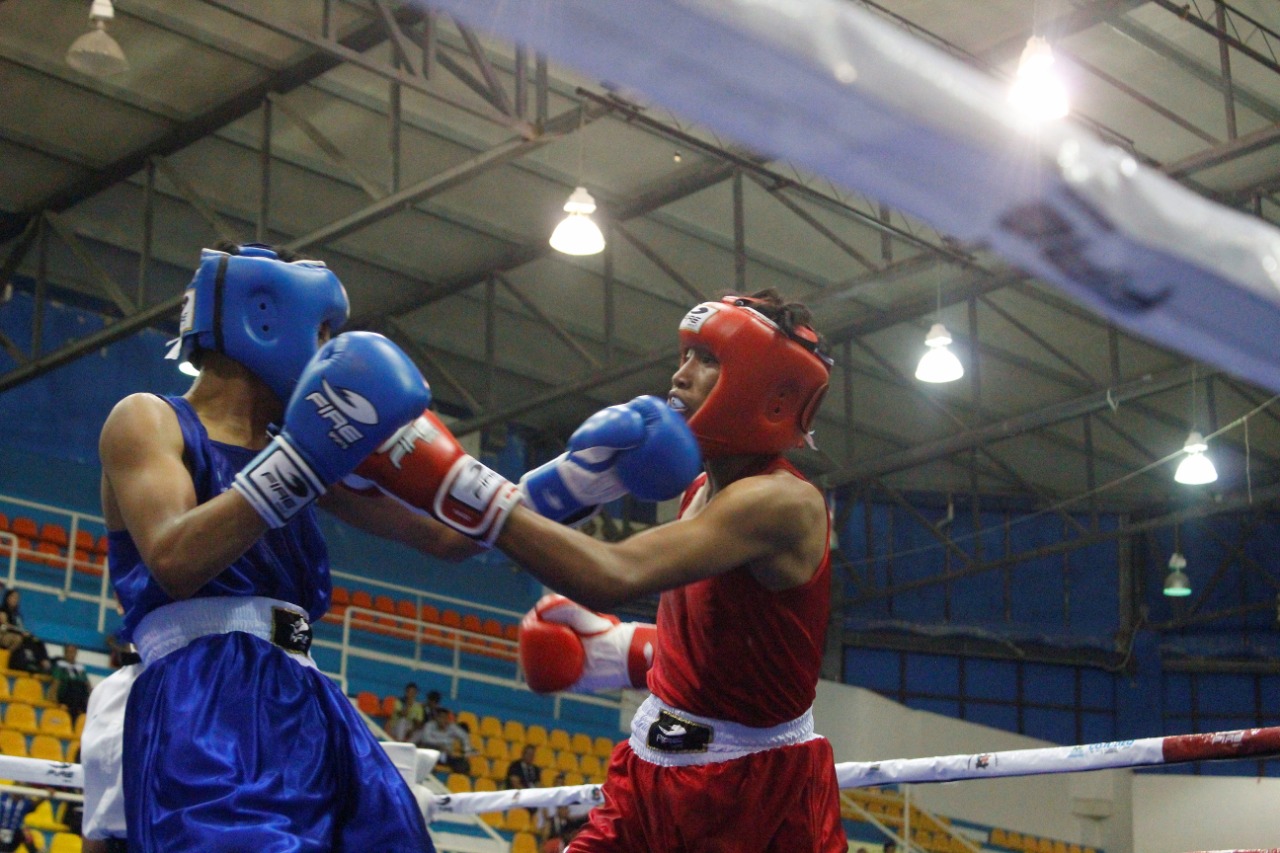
728,740
169,628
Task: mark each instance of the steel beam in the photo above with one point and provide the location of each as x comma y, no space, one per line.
1008,427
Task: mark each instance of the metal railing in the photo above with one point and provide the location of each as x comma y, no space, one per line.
28,569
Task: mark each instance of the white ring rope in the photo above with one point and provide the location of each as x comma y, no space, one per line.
1143,752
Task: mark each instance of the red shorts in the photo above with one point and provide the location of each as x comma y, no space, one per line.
783,800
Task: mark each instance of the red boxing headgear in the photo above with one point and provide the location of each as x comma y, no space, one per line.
770,384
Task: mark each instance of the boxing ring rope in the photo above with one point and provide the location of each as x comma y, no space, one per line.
1142,752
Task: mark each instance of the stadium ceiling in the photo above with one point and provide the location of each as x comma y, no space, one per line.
427,163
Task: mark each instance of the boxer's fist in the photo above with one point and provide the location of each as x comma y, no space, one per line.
641,447
425,467
565,646
354,393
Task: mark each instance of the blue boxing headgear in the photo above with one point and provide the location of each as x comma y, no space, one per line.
261,311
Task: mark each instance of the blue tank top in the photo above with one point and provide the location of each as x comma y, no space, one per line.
290,563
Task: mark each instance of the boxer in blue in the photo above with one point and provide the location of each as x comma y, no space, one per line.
233,740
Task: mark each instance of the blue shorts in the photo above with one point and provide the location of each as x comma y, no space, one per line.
231,745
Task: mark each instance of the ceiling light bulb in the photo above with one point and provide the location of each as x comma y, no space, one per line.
578,234
1176,583
1196,469
1037,91
939,364
96,53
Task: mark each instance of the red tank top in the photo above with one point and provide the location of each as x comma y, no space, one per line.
730,649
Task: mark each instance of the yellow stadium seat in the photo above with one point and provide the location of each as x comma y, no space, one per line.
548,777
535,735
495,749
13,743
544,756
21,717
567,761
572,778
580,743
469,717
29,690
4,664
56,722
458,783
480,767
484,784
558,739
603,747
65,842
518,820
47,747
513,731
4,682
490,727
494,819
589,765
524,842
45,818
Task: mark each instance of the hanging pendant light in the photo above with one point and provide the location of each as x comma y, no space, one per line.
1195,469
577,233
96,53
1037,91
1176,583
939,363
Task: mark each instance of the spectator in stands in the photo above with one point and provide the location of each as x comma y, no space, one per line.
433,702
891,846
558,826
453,742
72,681
407,715
26,651
523,773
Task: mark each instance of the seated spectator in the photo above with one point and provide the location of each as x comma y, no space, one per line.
558,826
26,652
523,773
72,681
453,742
407,715
433,702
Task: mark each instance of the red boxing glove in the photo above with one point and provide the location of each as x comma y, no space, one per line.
565,646
424,466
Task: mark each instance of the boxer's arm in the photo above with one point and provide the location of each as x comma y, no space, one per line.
776,524
384,516
147,489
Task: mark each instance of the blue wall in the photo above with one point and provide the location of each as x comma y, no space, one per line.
1068,601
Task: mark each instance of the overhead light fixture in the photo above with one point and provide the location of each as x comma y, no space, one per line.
578,233
188,368
96,53
1037,91
939,364
1195,469
1176,583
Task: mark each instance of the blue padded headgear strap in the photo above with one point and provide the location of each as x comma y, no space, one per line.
261,311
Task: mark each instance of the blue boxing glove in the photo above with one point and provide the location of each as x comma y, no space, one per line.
641,448
356,392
